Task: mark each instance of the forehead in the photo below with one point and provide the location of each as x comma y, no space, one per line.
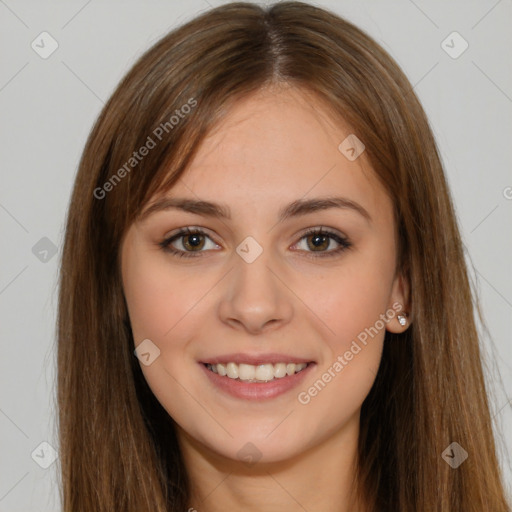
275,146
272,128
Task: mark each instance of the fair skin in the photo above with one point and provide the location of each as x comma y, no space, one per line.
272,148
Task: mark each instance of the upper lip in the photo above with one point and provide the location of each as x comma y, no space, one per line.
255,359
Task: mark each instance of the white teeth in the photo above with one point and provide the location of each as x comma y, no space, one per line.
260,373
265,372
246,371
279,370
290,369
232,370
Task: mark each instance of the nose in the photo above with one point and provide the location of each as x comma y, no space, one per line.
255,297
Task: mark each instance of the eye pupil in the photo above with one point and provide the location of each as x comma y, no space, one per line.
198,242
320,239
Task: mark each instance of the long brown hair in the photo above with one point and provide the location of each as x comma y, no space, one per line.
118,448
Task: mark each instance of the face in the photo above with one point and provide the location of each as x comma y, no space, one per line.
314,285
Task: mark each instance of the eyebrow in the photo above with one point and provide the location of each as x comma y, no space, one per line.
296,208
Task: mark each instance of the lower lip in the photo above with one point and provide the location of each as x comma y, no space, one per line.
257,390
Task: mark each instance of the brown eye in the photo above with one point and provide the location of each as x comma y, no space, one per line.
319,240
193,241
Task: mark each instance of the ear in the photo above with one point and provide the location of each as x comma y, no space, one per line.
400,304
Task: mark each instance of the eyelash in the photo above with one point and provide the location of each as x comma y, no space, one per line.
344,243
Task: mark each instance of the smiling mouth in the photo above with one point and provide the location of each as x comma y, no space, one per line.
256,373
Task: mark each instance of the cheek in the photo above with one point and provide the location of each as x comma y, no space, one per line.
351,306
350,361
158,299
167,307
164,307
351,300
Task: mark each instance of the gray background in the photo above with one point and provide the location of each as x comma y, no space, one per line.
47,107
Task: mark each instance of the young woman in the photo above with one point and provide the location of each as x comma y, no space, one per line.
264,303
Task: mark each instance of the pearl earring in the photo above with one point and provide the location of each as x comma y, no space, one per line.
402,320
